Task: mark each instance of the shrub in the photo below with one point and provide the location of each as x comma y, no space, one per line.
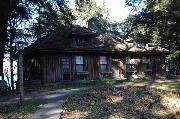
3,86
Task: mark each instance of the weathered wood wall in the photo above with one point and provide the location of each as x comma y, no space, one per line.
48,67
53,72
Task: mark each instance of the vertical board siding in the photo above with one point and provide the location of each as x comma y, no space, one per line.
51,69
50,66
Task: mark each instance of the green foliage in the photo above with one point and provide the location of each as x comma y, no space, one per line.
88,9
174,56
14,111
52,15
103,25
156,22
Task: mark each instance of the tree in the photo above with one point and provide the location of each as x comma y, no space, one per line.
51,18
88,9
4,12
157,22
18,13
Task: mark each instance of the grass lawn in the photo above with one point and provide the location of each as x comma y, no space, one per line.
103,100
124,102
14,111
81,84
168,86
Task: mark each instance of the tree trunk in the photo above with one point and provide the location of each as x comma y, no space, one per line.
4,13
12,37
21,78
12,74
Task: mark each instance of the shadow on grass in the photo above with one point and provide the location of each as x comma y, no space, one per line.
122,102
82,84
168,86
15,111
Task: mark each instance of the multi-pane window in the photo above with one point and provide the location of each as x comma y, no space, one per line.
147,63
65,64
128,60
129,67
79,63
103,63
83,42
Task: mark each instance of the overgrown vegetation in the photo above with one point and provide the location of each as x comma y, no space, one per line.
123,102
14,111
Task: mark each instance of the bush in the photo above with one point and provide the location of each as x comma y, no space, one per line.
3,86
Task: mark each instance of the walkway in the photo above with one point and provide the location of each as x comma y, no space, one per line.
53,106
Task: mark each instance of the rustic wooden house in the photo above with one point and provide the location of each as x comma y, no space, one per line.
85,54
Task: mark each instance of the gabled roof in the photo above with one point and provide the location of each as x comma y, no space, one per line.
63,40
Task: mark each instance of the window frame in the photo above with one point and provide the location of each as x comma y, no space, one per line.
128,59
103,63
79,64
65,64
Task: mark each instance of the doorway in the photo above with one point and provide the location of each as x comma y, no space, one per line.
65,61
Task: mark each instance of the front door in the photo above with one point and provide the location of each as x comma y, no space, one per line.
66,68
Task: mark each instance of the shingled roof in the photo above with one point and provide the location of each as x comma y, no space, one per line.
63,40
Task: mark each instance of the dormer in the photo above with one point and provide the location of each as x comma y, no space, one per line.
80,42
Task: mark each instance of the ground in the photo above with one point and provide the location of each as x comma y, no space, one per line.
123,102
111,98
15,111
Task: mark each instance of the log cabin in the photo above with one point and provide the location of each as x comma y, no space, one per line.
84,54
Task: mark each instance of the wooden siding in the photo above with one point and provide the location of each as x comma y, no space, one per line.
49,68
52,67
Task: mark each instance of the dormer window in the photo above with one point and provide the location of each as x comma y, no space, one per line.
83,42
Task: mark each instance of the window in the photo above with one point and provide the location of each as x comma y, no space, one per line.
148,66
128,60
144,59
83,42
65,64
79,63
103,63
130,67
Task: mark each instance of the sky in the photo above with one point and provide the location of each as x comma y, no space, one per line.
117,9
